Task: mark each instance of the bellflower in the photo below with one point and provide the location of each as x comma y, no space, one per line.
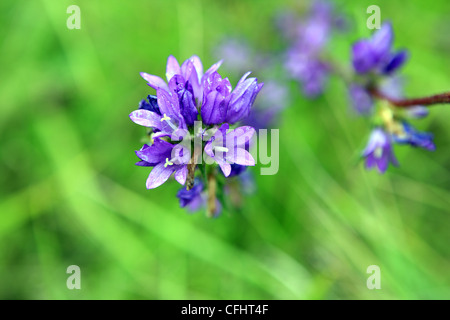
162,156
192,199
196,198
361,99
188,96
228,147
376,55
222,104
379,152
415,138
168,121
309,38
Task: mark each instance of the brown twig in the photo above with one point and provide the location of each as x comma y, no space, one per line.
212,185
406,103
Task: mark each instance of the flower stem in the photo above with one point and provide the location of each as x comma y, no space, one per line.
406,103
212,185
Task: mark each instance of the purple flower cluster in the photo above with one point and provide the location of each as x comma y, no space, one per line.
375,63
308,37
373,59
189,97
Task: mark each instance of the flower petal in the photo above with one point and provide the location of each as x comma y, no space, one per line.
214,67
381,42
172,68
168,103
156,153
242,157
154,81
181,174
224,166
396,62
362,58
198,66
159,175
146,118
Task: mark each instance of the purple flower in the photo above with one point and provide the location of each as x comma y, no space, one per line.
415,138
217,95
375,54
192,199
151,104
379,152
166,159
227,148
191,72
166,123
242,98
185,93
171,114
361,99
221,104
303,60
417,112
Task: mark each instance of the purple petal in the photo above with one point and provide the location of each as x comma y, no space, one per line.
159,175
362,57
172,68
242,157
381,42
177,83
361,100
144,164
187,68
224,166
154,81
168,103
370,161
214,109
242,99
156,153
214,67
146,118
198,66
215,98
396,62
208,149
181,174
383,163
417,112
241,135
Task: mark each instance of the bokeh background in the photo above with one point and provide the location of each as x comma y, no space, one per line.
71,195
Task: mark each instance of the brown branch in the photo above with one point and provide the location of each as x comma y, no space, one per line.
406,103
212,185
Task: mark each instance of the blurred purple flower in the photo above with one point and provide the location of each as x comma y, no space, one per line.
415,138
192,199
227,148
303,60
379,152
361,99
376,55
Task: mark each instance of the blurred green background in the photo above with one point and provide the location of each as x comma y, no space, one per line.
71,195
